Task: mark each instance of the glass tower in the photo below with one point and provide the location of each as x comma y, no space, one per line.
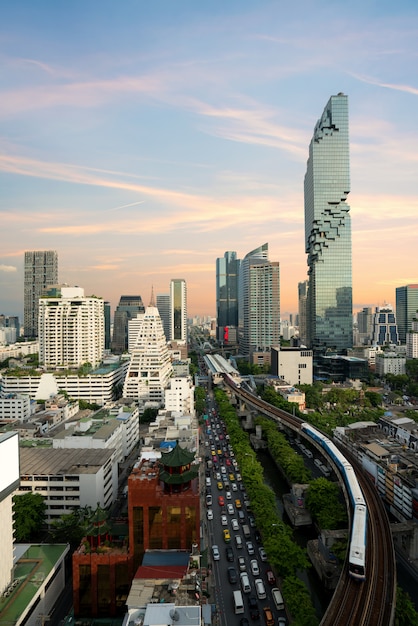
328,231
406,308
227,271
178,310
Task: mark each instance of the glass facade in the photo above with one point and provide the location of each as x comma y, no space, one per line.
406,309
178,310
227,269
328,231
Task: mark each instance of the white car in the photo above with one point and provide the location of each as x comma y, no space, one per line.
262,552
238,477
235,525
228,495
218,476
230,508
234,487
209,513
215,553
250,547
255,570
224,520
223,469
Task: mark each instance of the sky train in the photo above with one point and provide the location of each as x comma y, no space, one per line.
357,550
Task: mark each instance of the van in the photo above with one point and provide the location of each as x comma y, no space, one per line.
260,589
277,599
245,582
238,602
246,531
238,541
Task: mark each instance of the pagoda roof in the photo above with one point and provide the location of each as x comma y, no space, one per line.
177,457
179,479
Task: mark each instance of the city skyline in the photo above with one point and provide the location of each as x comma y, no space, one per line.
142,142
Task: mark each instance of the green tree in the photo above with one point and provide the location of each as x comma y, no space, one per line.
148,415
405,613
199,399
322,500
29,516
70,528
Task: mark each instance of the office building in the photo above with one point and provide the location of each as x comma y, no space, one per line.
328,231
107,325
406,309
127,309
41,271
163,306
71,328
178,310
364,326
412,340
150,367
385,329
303,318
227,273
260,297
293,365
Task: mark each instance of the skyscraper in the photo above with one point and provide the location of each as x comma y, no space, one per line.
71,328
227,271
178,310
328,231
41,271
260,311
302,301
406,308
163,306
128,308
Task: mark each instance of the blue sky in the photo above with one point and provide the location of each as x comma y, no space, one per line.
142,140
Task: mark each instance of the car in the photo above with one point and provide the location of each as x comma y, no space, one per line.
219,452
220,485
215,553
213,452
231,476
262,553
232,575
241,563
207,473
257,536
281,621
228,495
225,479
234,523
268,616
228,462
253,606
227,536
271,579
244,622
214,457
218,476
230,509
224,520
245,582
241,517
238,503
229,554
250,547
247,504
209,514
234,487
251,521
208,500
221,501
241,485
255,570
239,477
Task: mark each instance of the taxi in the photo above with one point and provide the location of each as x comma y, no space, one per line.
220,485
227,535
238,504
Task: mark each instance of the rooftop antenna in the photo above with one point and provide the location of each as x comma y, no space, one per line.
152,302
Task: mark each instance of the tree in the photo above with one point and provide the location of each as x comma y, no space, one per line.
322,500
71,528
29,516
148,415
405,614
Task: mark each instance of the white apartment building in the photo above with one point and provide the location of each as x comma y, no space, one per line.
390,363
71,328
69,478
97,387
15,407
9,481
150,367
179,396
18,350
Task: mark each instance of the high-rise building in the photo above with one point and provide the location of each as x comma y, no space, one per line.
107,317
71,328
127,309
163,306
227,272
178,310
385,329
328,231
41,271
364,325
412,340
150,366
260,295
303,321
406,309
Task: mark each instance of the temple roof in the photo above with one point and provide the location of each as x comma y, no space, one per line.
179,479
177,457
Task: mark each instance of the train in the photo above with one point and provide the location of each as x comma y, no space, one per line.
358,537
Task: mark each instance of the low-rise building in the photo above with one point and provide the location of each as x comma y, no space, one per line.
390,363
15,406
294,365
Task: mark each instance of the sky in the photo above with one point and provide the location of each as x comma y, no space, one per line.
142,140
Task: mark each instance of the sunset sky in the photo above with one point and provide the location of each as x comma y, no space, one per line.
141,140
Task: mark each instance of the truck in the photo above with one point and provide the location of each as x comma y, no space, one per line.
238,602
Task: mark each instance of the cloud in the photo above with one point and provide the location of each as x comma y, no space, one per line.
394,86
8,268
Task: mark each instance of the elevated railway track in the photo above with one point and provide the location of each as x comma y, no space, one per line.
372,601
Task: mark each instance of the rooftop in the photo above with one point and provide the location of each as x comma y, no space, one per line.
55,462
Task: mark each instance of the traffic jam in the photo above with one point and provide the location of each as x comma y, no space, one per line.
246,585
